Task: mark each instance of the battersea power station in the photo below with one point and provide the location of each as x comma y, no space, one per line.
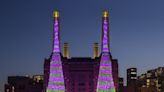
63,73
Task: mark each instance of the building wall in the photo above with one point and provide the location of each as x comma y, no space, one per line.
115,73
23,84
46,72
121,85
81,73
147,89
132,79
151,81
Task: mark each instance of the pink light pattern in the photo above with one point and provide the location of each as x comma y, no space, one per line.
105,78
56,78
56,43
105,37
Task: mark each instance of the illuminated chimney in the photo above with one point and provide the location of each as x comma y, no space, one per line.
96,50
105,78
56,78
56,32
66,50
105,32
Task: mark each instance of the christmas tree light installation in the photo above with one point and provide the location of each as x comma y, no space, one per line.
58,67
56,78
105,78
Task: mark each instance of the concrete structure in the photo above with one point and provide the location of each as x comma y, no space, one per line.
24,84
121,85
96,50
131,76
81,74
66,50
132,79
152,81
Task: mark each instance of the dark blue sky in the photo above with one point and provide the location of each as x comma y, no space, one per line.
137,32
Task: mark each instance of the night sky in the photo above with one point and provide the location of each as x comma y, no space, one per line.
137,32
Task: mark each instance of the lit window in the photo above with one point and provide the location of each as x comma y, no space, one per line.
133,73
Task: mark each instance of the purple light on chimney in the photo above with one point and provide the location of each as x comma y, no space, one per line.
56,41
105,38
56,78
105,78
